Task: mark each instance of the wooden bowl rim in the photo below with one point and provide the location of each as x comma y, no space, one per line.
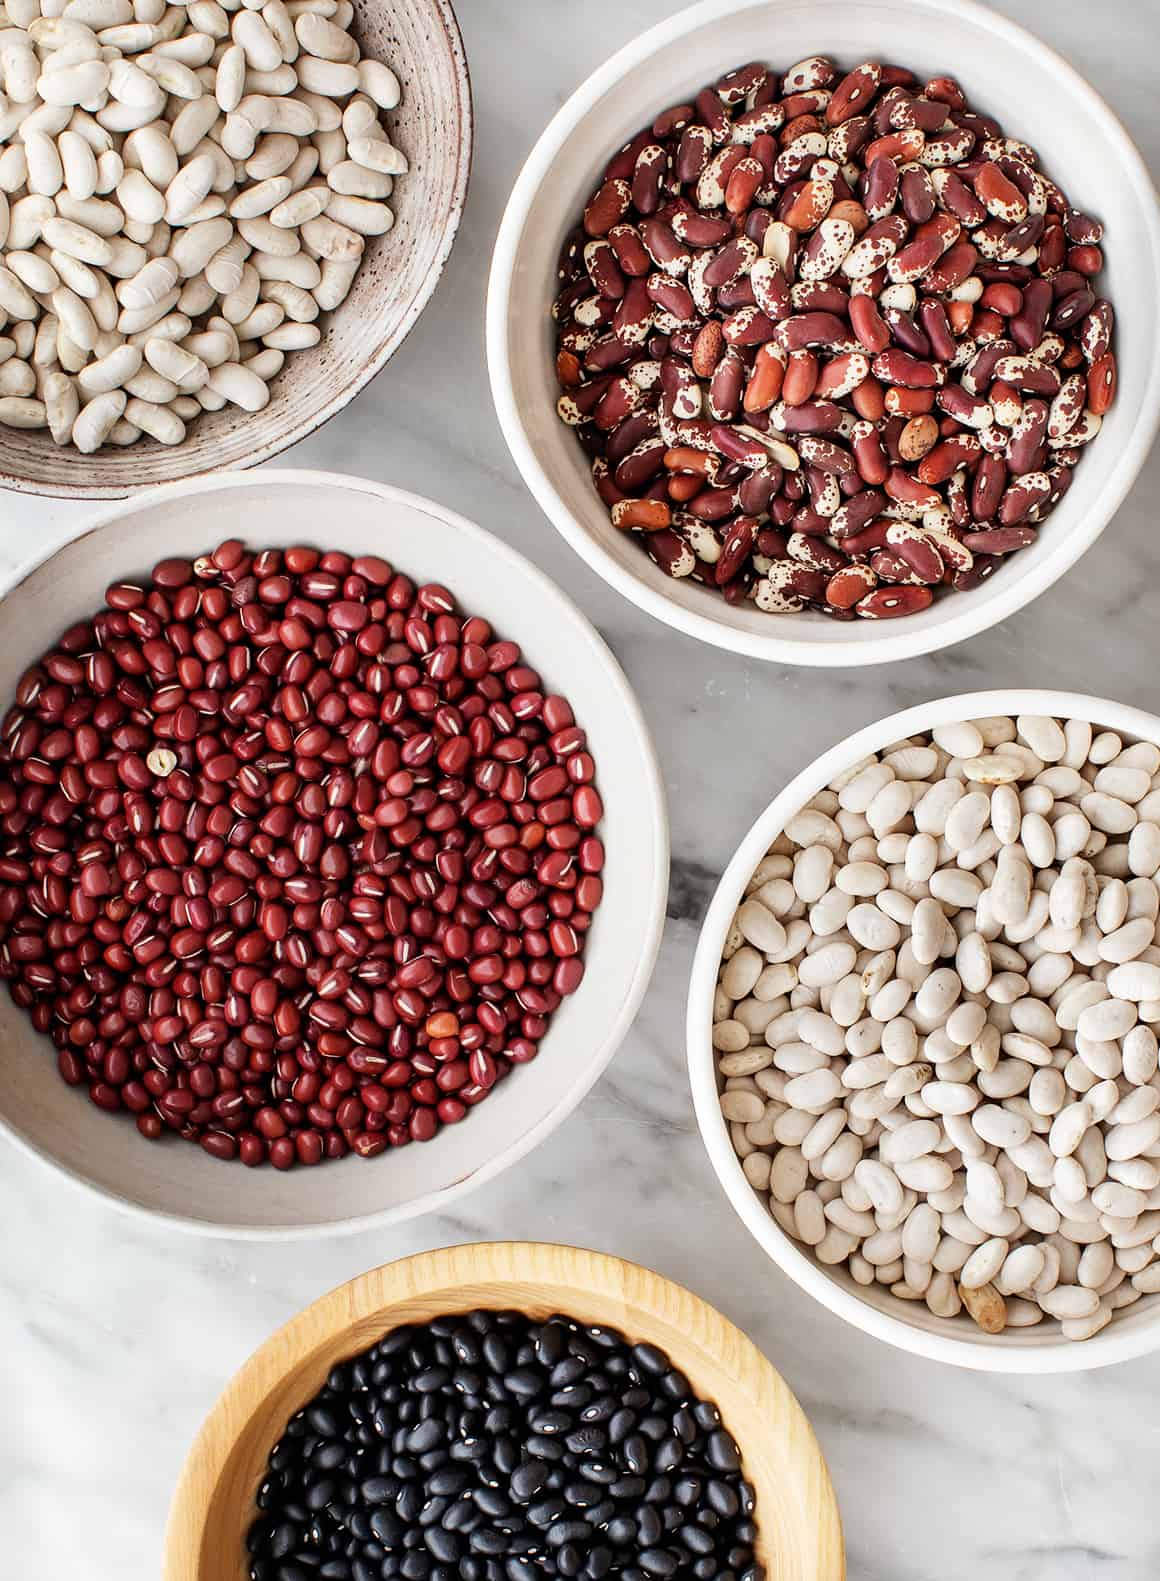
363,372
524,1265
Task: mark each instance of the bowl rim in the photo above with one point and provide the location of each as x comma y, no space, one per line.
361,373
525,1266
982,1353
656,830
896,641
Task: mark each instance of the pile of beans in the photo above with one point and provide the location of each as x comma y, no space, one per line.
183,190
936,1023
489,1447
831,342
295,859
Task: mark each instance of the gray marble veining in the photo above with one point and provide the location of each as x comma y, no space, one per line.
115,1338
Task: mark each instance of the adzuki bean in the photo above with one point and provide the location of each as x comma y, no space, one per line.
490,1447
865,266
295,858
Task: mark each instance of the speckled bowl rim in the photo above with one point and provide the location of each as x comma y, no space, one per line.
1134,1333
361,373
959,619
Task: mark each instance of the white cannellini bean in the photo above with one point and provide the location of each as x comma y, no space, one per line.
131,131
1031,1061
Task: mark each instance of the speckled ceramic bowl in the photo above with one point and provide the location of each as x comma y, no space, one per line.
433,126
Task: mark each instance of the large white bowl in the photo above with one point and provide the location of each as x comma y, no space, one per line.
1005,71
179,1182
908,1325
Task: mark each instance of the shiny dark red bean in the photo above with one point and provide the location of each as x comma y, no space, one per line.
280,832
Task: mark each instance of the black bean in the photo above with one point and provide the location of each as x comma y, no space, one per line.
528,1479
572,1398
649,1527
449,1480
323,1421
446,1546
561,1532
659,1562
723,1498
583,1495
621,1530
491,1501
568,1371
659,1491
676,1386
485,1447
463,1517
410,1502
546,1511
688,1491
569,1560
387,1527
495,1352
597,1471
320,1494
525,1382
601,1410
723,1454
550,1421
621,1425
551,1342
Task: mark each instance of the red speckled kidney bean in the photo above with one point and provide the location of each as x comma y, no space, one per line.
295,859
873,253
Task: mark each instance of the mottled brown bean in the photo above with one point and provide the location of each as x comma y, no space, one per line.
852,291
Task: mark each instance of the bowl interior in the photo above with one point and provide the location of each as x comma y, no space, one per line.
420,40
907,1324
277,508
800,1534
1005,72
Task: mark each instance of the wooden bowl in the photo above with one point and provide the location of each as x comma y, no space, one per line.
800,1534
420,40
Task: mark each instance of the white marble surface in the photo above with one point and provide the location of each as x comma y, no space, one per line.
115,1338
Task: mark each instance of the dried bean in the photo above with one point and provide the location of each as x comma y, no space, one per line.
489,1444
968,1039
295,858
823,253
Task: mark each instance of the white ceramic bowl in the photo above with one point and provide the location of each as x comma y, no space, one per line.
908,1325
1004,70
179,1182
433,126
